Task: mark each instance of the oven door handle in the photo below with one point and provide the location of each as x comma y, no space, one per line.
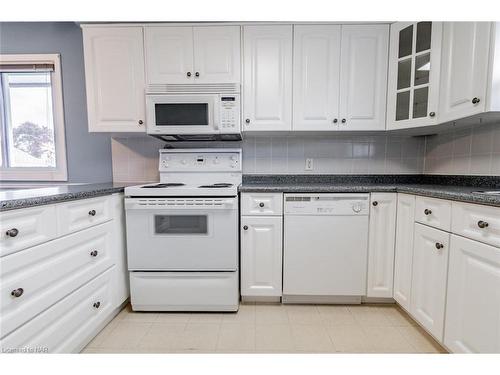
139,204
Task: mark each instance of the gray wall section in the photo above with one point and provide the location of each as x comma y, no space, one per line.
88,154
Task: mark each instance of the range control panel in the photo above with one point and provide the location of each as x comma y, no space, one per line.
200,160
229,112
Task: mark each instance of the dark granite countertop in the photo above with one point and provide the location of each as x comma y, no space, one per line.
12,198
457,188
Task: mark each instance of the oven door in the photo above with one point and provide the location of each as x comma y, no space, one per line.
182,234
182,114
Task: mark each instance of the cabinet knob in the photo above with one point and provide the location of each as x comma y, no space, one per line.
17,292
261,204
12,232
427,211
432,114
92,212
140,122
439,245
247,121
197,74
475,100
344,121
94,253
188,74
482,224
245,227
374,203
335,120
97,304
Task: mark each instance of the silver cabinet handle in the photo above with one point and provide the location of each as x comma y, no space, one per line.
92,212
188,74
261,204
97,304
247,121
197,74
475,100
482,224
427,211
439,245
432,114
94,253
374,203
140,122
12,232
344,121
245,227
17,292
335,120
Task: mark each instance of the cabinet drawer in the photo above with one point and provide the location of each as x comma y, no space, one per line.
433,212
481,223
26,227
84,213
261,204
65,326
46,273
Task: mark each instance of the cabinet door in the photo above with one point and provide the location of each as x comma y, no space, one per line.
267,82
217,54
381,244
464,69
114,76
403,253
363,77
261,256
414,67
169,55
316,74
473,304
428,287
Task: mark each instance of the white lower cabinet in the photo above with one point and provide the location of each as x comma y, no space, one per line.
381,245
429,275
261,256
473,302
403,253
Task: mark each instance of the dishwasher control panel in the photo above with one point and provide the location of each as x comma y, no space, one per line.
327,204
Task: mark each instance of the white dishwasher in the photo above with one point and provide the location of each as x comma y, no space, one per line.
325,247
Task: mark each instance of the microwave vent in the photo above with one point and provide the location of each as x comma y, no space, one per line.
199,88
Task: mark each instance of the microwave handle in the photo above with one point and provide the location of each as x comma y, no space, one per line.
216,112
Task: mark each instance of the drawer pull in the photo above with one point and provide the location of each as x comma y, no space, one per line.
482,224
97,304
374,203
17,292
427,211
245,227
439,245
12,232
261,204
92,212
94,253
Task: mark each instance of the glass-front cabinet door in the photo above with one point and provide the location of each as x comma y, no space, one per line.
414,65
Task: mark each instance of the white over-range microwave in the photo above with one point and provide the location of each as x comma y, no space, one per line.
198,116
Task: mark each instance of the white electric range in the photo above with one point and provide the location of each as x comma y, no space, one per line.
182,233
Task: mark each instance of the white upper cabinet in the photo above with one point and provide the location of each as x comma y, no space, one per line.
403,256
473,303
187,55
316,74
363,77
414,70
217,54
267,77
169,54
381,244
429,275
114,76
464,72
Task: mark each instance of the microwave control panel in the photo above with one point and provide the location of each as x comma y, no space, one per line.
229,113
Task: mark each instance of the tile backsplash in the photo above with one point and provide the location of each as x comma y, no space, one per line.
467,151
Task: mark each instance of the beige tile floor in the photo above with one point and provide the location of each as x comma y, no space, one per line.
267,328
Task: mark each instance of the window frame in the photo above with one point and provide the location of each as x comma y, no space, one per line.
60,172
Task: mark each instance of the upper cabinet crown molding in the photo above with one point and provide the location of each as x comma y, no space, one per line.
414,74
114,77
192,55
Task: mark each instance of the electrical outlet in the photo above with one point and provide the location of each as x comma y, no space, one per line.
309,164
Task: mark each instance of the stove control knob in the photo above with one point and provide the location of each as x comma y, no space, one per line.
357,207
234,158
216,161
184,161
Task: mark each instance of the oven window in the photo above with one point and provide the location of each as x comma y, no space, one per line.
181,224
181,114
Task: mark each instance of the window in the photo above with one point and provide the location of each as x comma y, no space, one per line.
32,145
